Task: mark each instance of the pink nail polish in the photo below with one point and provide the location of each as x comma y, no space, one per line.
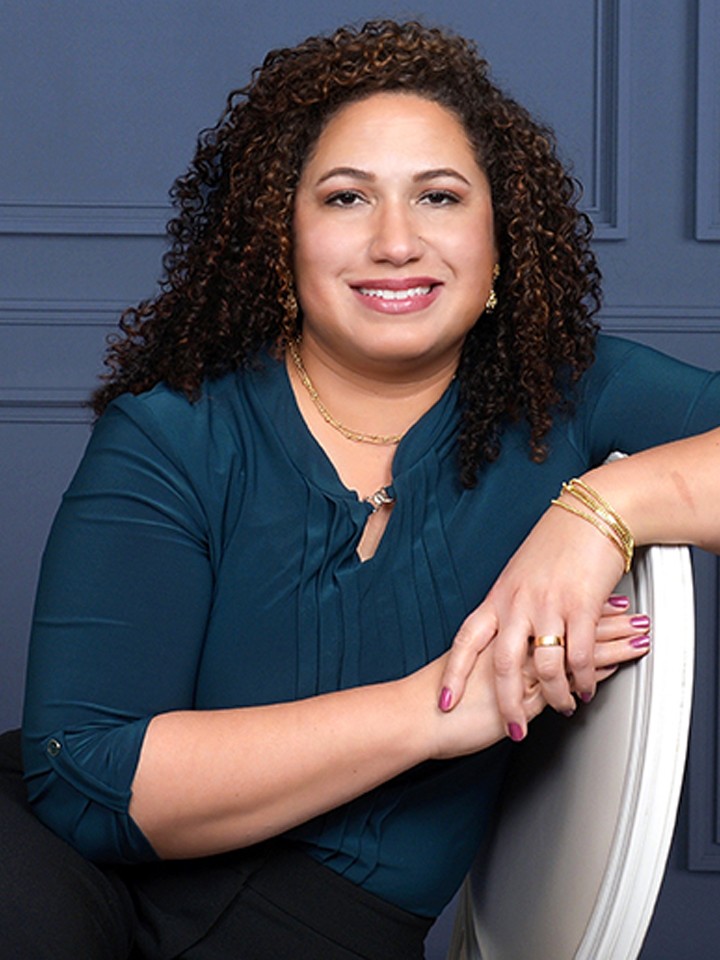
568,713
516,732
445,699
586,697
640,643
619,601
640,622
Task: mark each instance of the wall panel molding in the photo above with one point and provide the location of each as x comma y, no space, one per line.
707,193
697,328
661,320
28,311
44,407
703,779
41,325
611,121
27,402
86,219
607,187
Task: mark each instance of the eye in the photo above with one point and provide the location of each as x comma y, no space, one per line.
344,198
440,198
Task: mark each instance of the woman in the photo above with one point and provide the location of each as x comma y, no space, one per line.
249,593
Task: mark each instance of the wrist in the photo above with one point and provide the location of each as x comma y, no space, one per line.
583,500
418,695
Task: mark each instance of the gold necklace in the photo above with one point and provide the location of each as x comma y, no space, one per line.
378,439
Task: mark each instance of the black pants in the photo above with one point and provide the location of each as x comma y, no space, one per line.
269,902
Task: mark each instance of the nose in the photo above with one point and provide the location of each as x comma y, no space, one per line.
396,238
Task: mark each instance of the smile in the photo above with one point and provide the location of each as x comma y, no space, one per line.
396,297
394,294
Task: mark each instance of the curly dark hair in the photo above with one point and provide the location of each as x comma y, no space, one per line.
228,284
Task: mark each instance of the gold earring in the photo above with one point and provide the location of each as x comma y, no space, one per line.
492,300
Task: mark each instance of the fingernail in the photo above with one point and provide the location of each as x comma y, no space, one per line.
617,600
516,732
445,701
586,697
568,713
640,643
640,622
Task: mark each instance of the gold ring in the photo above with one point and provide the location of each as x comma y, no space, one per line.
549,640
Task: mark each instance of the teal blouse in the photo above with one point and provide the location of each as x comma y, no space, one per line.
204,557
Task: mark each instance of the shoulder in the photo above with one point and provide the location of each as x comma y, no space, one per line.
164,411
210,440
633,397
160,440
625,366
217,424
613,354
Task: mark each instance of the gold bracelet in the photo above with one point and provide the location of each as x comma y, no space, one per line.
592,499
602,516
627,557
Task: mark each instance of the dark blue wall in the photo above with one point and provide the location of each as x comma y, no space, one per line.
99,111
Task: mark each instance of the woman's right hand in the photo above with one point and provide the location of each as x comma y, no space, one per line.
209,781
476,723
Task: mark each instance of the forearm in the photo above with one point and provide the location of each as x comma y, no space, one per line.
210,781
667,494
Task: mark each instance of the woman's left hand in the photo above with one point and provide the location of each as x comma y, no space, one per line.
557,583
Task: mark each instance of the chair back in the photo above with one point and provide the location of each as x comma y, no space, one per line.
576,861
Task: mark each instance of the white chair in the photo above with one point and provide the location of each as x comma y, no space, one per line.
579,852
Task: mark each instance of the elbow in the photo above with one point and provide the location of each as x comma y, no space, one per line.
99,833
89,813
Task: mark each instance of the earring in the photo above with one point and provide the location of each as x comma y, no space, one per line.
492,300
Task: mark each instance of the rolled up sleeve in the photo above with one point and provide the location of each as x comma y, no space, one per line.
120,617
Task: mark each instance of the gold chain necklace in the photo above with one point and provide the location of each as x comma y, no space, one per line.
378,439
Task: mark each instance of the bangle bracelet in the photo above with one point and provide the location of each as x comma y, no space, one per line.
592,499
601,515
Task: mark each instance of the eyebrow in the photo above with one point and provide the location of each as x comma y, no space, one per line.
422,177
352,172
441,172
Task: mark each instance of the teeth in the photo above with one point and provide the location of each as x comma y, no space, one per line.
395,294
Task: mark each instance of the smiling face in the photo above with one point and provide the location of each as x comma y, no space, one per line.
393,235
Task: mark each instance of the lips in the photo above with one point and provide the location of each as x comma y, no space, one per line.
397,295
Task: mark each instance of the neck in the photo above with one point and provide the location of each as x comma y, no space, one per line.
365,404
